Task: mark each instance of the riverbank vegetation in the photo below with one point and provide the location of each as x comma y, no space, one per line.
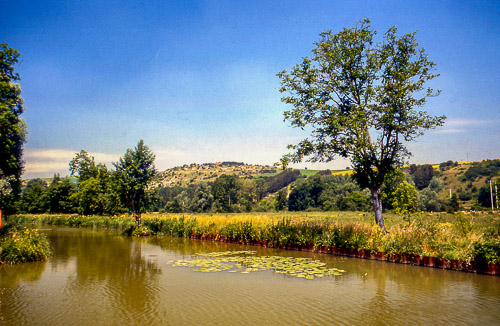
23,244
466,241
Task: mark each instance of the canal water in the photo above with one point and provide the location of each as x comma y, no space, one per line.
102,278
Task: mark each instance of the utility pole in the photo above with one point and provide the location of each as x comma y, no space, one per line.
496,195
491,193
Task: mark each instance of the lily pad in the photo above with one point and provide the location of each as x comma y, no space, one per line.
235,261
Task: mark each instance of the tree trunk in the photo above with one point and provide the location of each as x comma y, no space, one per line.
133,212
377,208
136,218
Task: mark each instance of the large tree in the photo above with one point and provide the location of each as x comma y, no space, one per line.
360,101
134,173
12,128
97,192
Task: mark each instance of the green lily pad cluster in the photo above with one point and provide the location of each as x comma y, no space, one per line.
245,262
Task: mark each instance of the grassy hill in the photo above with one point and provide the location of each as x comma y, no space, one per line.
465,179
192,174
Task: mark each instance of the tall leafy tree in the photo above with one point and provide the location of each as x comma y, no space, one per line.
34,197
134,173
59,195
97,192
83,166
360,100
224,191
13,129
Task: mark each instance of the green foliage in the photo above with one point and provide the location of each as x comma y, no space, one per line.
134,173
280,180
422,175
405,200
83,165
447,165
328,192
13,129
34,197
304,195
355,201
224,193
391,182
488,168
488,251
59,195
428,199
202,199
463,223
453,205
141,231
360,100
26,245
484,196
110,222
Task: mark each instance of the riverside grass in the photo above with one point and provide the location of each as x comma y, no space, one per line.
460,236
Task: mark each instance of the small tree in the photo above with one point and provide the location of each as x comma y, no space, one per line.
134,173
405,200
359,101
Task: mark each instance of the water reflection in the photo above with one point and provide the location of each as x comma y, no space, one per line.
12,275
113,262
106,279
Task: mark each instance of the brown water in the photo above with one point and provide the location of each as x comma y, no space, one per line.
99,278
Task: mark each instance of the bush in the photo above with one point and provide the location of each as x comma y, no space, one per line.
488,251
27,245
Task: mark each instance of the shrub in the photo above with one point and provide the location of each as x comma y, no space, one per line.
488,251
26,245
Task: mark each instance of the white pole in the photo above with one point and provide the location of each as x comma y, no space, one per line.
496,195
491,194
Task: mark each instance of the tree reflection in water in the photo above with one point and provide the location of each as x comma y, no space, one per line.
129,283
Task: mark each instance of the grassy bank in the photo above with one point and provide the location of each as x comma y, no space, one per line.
470,241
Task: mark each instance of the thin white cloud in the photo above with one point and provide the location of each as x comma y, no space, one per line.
169,151
48,154
44,167
449,131
45,162
462,122
461,125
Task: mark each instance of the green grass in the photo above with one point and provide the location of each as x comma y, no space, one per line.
263,175
308,173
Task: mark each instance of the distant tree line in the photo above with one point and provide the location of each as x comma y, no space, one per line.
99,190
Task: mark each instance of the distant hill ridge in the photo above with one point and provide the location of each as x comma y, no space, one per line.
192,174
461,178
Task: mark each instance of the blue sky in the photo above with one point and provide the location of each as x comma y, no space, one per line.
197,79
